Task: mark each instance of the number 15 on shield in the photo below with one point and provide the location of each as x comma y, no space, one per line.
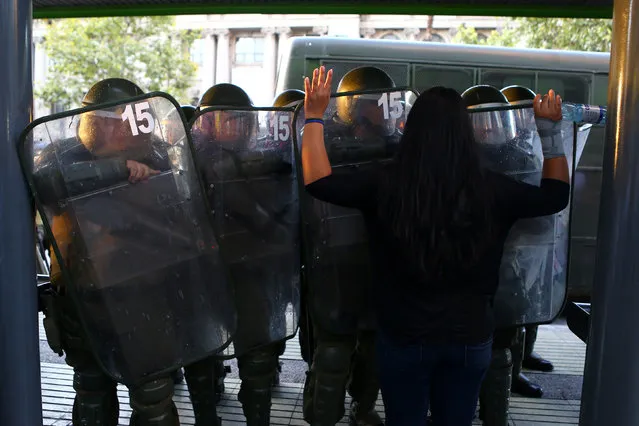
281,128
391,105
141,114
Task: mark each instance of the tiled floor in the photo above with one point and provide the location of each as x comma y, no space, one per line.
555,342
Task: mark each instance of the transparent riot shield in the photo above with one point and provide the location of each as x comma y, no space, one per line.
246,159
138,258
533,282
362,130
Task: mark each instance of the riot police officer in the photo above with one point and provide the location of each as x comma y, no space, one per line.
291,98
522,350
495,391
249,189
96,399
506,138
338,297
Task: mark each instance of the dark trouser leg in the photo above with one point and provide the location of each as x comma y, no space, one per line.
152,403
220,372
532,360
96,400
177,376
520,383
281,348
200,379
405,378
325,387
306,333
494,395
364,381
257,372
457,378
517,351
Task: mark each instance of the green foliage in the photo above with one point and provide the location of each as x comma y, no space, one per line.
149,51
466,35
592,35
507,37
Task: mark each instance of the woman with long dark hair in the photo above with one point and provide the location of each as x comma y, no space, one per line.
437,223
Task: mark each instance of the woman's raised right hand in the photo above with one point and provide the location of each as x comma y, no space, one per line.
548,106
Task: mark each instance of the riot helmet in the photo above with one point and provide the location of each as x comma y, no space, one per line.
111,90
518,95
189,111
490,127
227,126
362,112
523,96
225,94
104,132
289,98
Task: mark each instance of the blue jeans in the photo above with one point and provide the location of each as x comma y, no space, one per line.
445,376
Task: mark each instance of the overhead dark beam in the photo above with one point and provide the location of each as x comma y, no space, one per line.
46,9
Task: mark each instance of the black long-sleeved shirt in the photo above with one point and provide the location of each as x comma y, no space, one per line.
409,309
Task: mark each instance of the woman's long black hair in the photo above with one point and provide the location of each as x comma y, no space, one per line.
435,196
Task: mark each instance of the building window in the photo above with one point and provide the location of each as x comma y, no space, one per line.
197,52
481,38
249,50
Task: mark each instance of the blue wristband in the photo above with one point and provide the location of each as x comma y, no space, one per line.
314,120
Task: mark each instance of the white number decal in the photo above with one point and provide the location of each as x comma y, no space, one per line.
141,114
281,128
393,101
128,115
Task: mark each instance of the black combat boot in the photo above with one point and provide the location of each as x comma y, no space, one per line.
520,383
524,387
533,361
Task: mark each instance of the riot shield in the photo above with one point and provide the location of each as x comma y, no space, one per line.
533,281
362,130
246,159
139,259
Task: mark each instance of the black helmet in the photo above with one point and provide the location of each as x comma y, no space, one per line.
189,111
290,97
225,94
518,95
110,90
490,127
360,79
483,96
365,78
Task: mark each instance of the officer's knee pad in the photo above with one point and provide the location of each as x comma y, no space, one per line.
96,400
93,380
152,402
258,364
501,359
333,356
